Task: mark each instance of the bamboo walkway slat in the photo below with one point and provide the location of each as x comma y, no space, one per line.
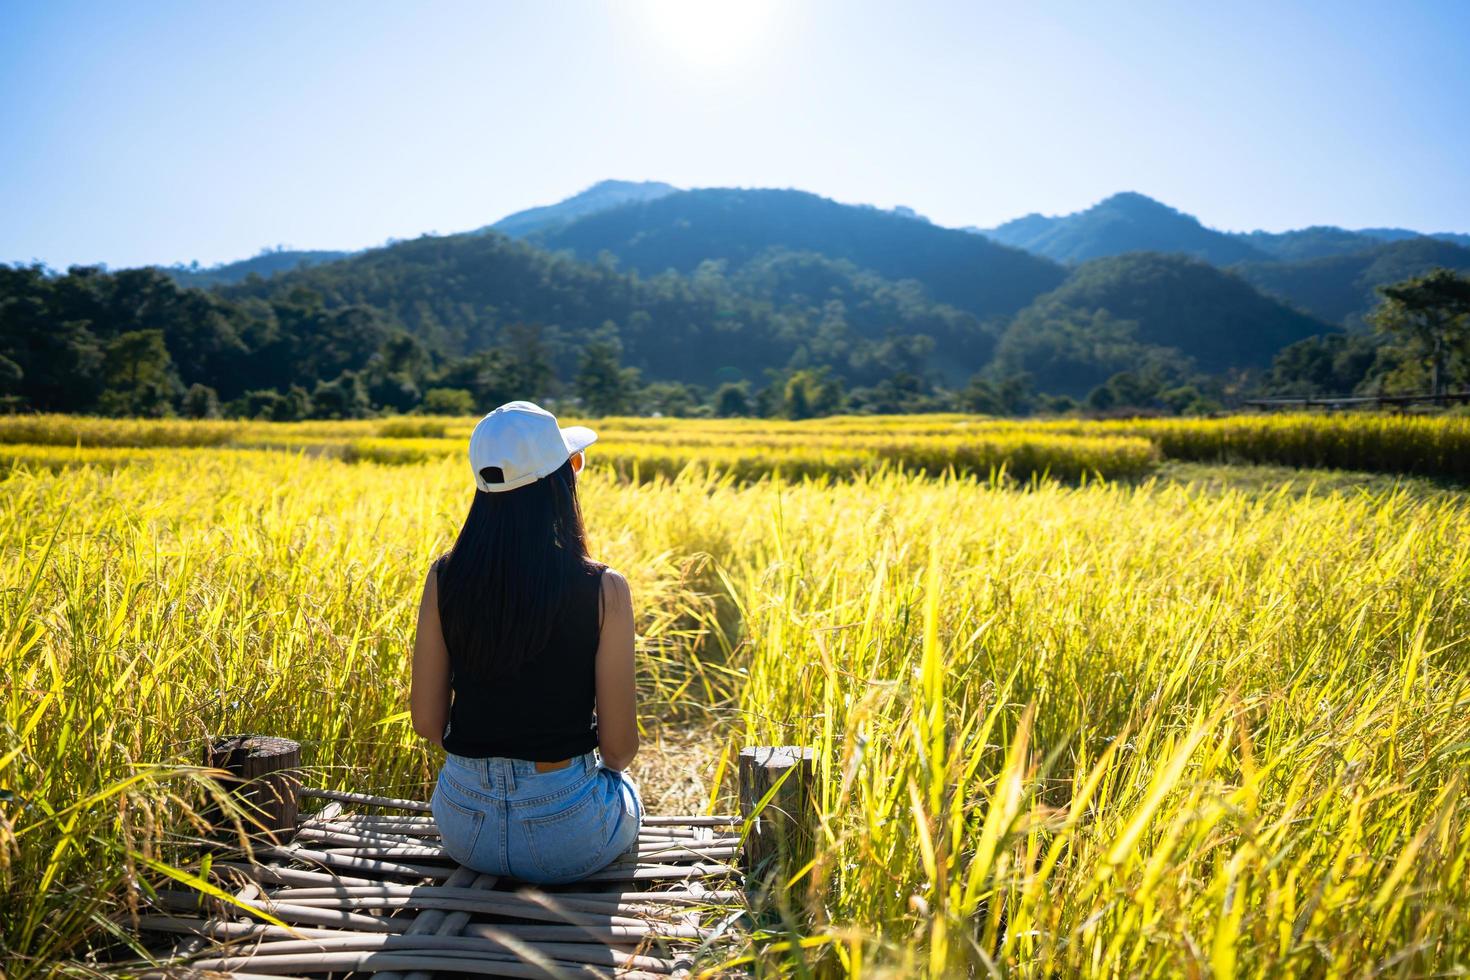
476,939
366,799
379,847
439,922
374,892
598,899
481,963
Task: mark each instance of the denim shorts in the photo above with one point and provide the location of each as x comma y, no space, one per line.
502,817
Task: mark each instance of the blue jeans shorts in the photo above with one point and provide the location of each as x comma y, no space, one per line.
502,817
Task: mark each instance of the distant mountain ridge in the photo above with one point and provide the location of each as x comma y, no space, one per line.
1133,222
460,295
1322,241
1302,244
721,283
1340,288
1326,271
264,264
1126,222
1129,312
600,196
724,283
1400,234
683,230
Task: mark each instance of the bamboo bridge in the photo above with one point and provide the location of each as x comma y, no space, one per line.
359,883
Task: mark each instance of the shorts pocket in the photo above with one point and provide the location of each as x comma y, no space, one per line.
459,825
569,843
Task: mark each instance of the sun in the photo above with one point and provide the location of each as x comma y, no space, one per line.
711,33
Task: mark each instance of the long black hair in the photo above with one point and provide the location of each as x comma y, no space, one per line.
502,585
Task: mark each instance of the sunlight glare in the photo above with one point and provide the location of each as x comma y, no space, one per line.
711,33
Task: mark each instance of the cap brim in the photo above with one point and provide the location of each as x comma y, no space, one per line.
577,438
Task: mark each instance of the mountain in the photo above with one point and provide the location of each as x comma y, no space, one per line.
845,308
462,294
1127,222
683,230
599,197
1324,241
1400,234
1131,222
1341,288
267,263
1129,312
1319,241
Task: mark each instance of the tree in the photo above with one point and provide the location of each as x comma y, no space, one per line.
1431,315
1331,364
670,398
603,384
732,399
449,401
1010,395
487,375
904,392
529,373
140,375
10,376
200,402
1151,391
809,393
262,403
342,398
1055,404
295,406
1188,400
59,357
395,372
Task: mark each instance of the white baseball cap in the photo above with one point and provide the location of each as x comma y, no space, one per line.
525,442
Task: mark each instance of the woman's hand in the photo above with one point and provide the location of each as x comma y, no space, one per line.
428,698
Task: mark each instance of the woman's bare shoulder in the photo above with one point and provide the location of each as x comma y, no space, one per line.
431,580
615,591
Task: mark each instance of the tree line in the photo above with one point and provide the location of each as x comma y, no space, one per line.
786,334
1417,342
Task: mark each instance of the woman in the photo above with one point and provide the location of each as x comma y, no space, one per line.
521,637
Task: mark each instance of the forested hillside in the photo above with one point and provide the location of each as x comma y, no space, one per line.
1324,241
1148,310
268,263
1127,222
1135,222
1341,288
601,196
681,231
1309,243
475,313
1326,271
458,294
1399,234
636,297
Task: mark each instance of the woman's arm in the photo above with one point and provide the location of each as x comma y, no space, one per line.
617,696
428,698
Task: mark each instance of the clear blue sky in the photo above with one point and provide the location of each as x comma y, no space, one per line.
162,132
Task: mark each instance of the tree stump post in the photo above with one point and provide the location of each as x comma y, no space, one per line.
782,835
263,778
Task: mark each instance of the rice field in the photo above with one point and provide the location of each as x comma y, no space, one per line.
749,449
1162,724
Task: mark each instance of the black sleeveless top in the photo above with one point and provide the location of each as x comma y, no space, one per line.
544,712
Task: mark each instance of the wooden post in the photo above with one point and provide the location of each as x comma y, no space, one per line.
262,777
782,834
